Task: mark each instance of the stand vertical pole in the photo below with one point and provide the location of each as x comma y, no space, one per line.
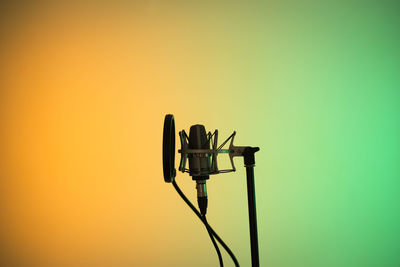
249,162
252,216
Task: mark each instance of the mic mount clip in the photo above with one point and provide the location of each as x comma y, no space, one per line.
233,151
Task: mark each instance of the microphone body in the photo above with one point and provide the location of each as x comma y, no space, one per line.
199,164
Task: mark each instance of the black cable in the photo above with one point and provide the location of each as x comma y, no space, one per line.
205,223
221,261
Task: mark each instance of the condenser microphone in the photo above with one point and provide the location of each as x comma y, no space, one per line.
201,150
199,164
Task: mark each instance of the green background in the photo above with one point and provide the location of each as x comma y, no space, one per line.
314,84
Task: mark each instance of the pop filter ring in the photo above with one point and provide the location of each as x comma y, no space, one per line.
169,148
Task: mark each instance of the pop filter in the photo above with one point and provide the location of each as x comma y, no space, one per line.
169,149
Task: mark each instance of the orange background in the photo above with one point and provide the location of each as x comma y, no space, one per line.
84,89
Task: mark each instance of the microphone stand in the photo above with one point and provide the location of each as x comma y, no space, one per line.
249,162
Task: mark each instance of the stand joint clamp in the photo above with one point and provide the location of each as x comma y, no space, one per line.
248,155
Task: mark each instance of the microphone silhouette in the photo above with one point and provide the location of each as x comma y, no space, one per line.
199,164
201,150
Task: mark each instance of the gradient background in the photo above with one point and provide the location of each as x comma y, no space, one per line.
84,92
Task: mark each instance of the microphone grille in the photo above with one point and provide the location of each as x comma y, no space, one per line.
199,165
